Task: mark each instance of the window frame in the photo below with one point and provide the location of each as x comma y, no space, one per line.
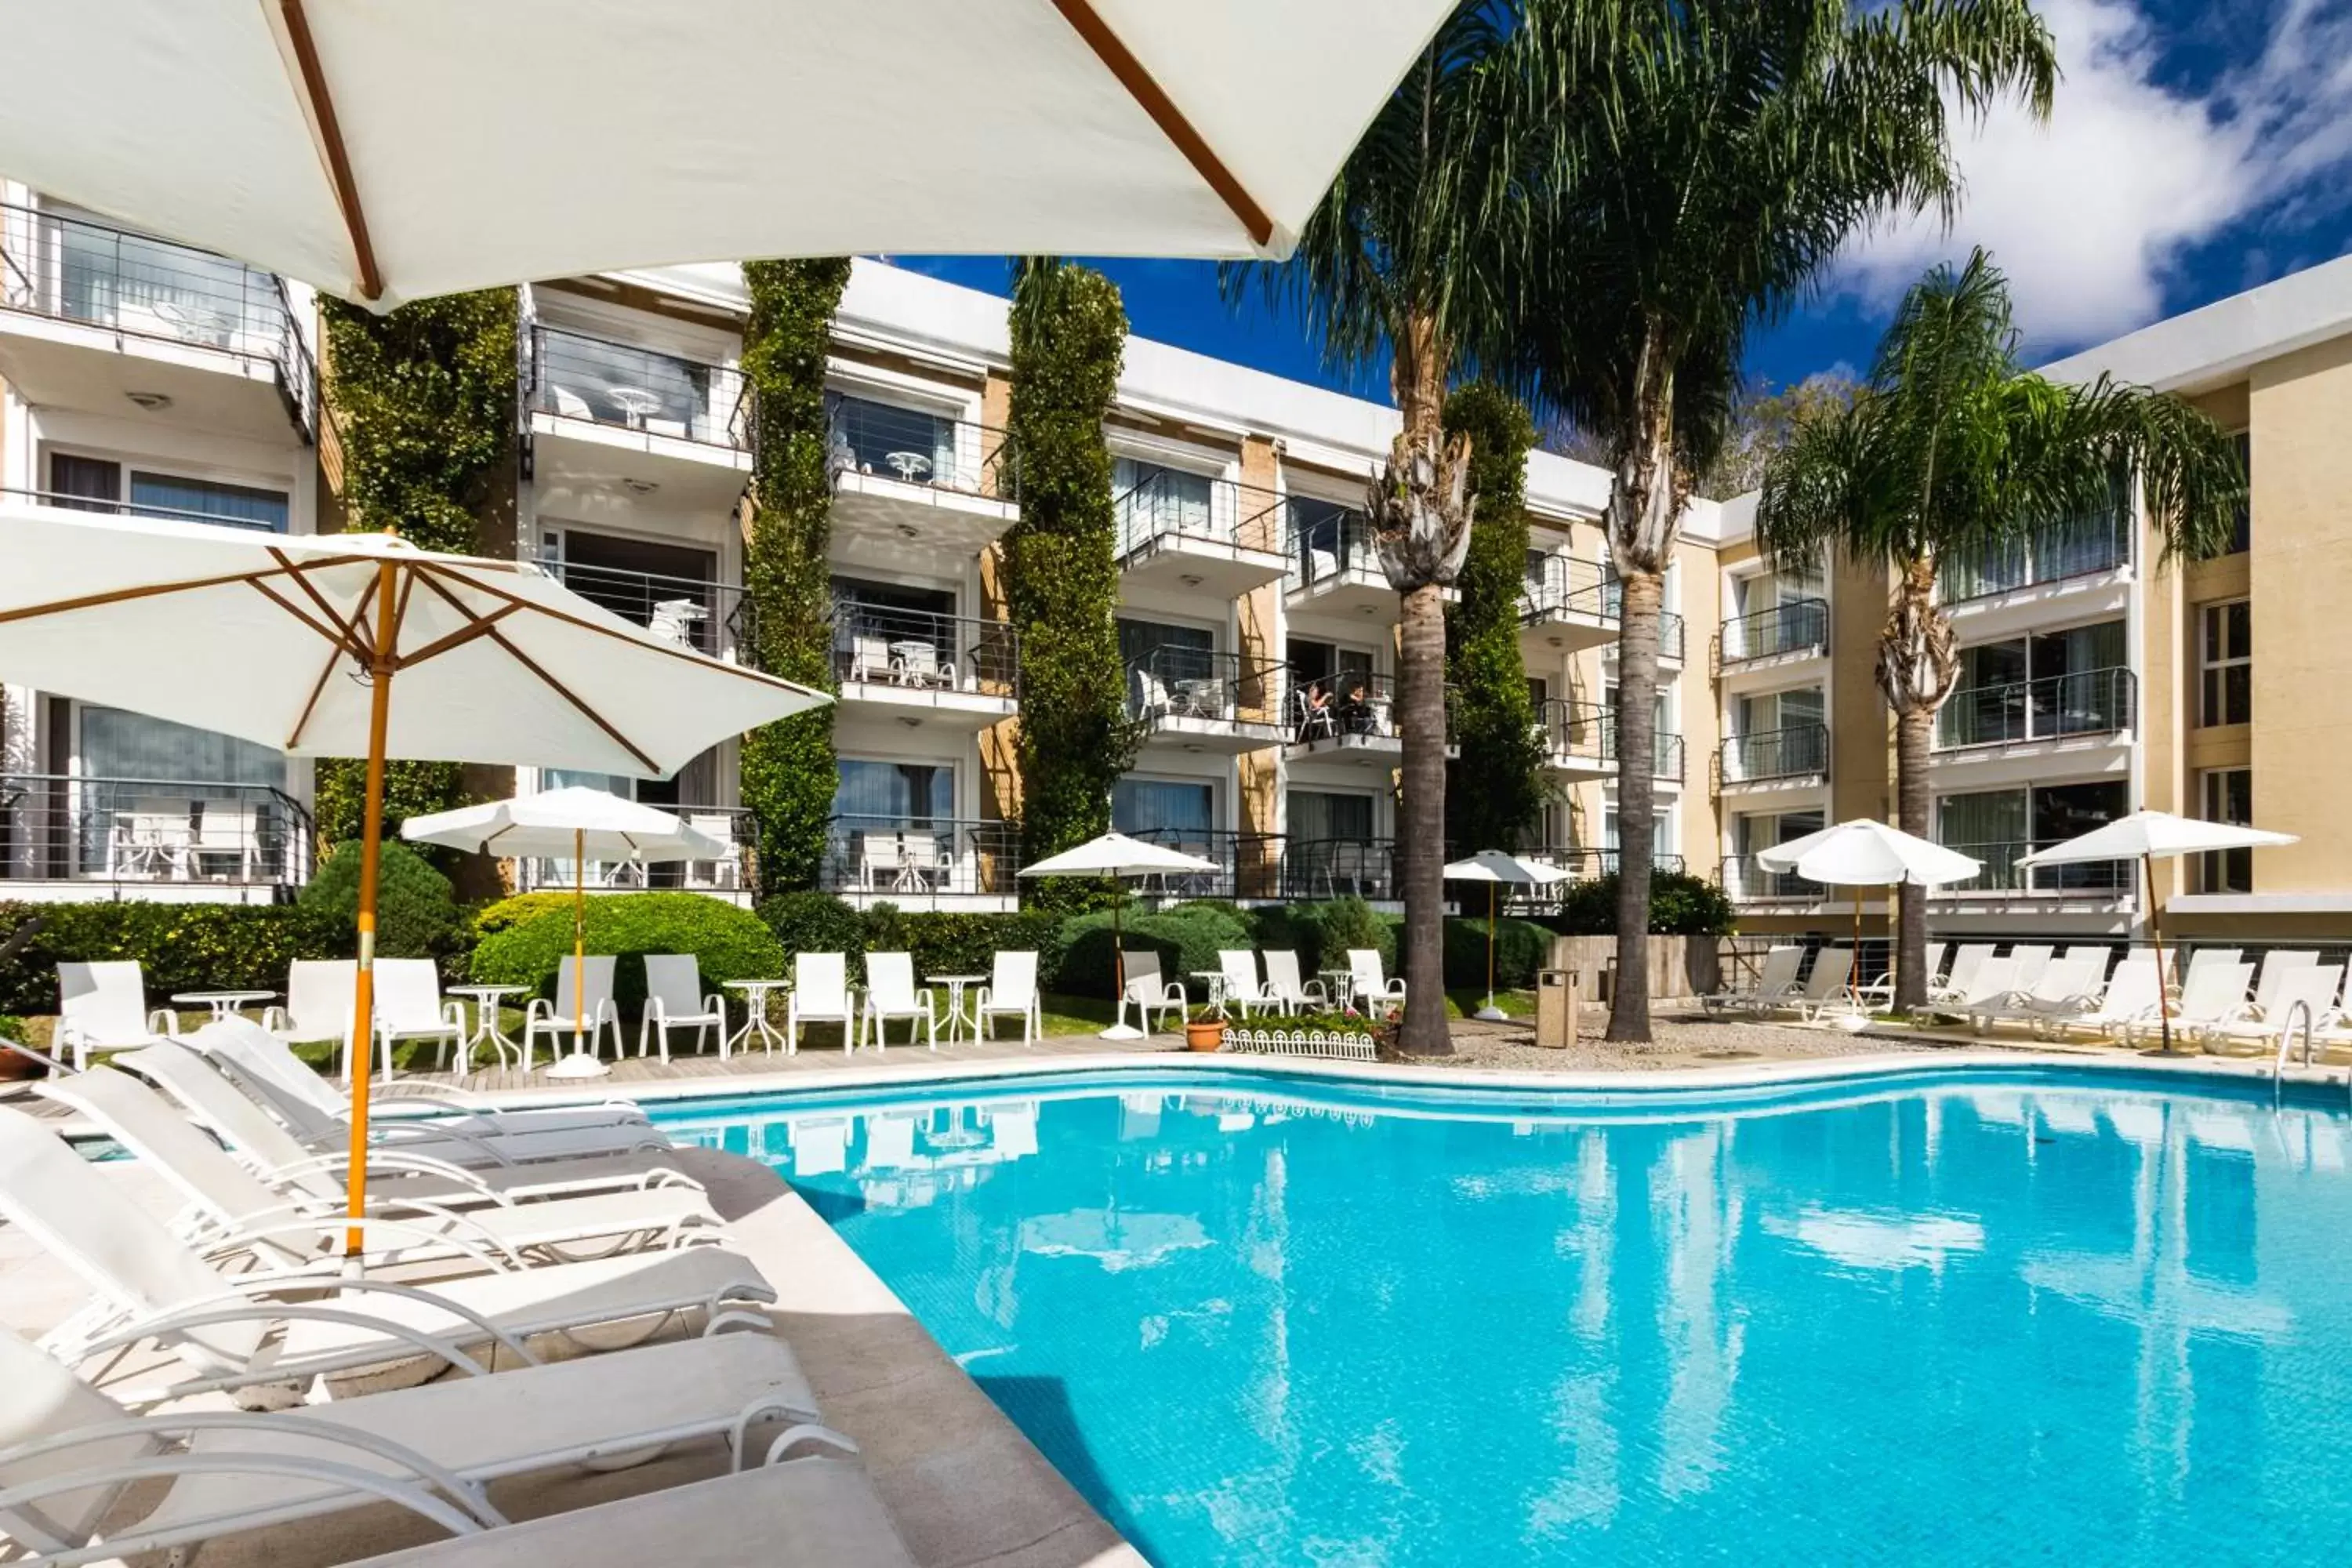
2213,673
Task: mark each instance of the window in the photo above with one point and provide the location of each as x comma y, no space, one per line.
1997,827
638,579
1753,833
1155,500
1328,538
2227,796
895,792
1777,734
2228,651
1168,651
1164,811
96,483
871,438
116,744
2242,536
1316,814
2071,682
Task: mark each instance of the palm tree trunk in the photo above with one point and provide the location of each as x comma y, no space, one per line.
1914,729
1636,722
1420,703
1919,660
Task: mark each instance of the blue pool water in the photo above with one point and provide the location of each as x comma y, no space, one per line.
2009,1318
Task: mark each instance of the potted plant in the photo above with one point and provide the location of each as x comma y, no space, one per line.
16,1063
1204,1028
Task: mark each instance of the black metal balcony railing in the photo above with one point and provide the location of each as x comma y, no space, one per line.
708,617
1582,862
2003,874
1791,751
736,871
1338,867
915,446
1567,587
1248,865
1174,682
1792,626
1586,732
1325,542
1168,506
1744,880
577,376
72,269
61,827
2088,702
2080,547
917,857
883,645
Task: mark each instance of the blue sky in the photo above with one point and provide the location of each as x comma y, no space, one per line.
2197,148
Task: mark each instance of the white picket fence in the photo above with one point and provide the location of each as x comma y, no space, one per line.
1302,1043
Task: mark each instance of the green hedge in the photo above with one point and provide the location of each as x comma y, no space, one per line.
415,908
1186,938
185,947
1680,905
1521,948
956,943
729,943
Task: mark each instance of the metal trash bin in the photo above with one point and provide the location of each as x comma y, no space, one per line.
1560,1006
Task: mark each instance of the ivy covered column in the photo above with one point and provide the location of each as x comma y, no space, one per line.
422,405
789,771
1495,789
1061,571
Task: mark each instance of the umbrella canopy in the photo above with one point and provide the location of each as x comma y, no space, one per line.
577,823
386,153
1494,866
272,638
1116,854
1868,853
2154,835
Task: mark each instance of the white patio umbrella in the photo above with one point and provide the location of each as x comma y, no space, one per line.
386,152
1868,853
2148,837
298,643
578,823
1117,855
1493,868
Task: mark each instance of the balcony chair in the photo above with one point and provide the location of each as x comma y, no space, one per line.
821,994
1151,991
1011,993
869,658
103,1008
919,664
675,620
923,862
552,1017
226,837
716,875
322,1004
891,993
881,867
408,1007
675,1000
570,405
1150,694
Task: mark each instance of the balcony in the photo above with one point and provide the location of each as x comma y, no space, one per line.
1338,869
1769,757
1575,606
2055,552
918,666
1583,863
68,836
921,862
910,487
1334,564
1204,701
1348,718
710,618
1214,537
1782,633
2105,881
733,877
1248,865
1746,882
1579,741
608,423
2055,708
104,319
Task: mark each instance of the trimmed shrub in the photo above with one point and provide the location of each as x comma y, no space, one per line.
728,943
1343,923
183,947
816,922
415,908
966,943
493,918
1186,940
1680,905
1521,948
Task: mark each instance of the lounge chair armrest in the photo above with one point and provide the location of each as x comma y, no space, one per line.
274,1019
419,1500
239,1307
493,1259
164,1022
384,1160
453,1014
537,1008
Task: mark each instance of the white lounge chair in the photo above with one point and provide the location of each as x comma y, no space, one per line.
2131,994
553,1016
808,1511
891,994
408,1007
2298,994
1011,993
1366,984
300,1224
821,994
223,1107
1776,980
2031,958
234,1332
1880,992
2204,958
2213,995
1958,985
432,1449
1241,987
322,1004
103,1008
1827,984
2066,988
1285,987
1148,989
2276,965
675,999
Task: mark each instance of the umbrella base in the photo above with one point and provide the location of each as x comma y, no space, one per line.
1490,1014
1121,1032
579,1064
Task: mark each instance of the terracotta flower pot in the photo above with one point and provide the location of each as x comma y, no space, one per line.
1208,1036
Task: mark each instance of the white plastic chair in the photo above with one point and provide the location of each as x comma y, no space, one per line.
2206,958
919,665
2065,988
891,993
1827,983
821,994
322,1004
1366,981
2213,995
2031,959
2277,966
103,1008
1283,984
1151,991
675,1000
869,658
881,865
1243,990
1011,993
553,1016
1880,991
2132,994
1965,963
408,1007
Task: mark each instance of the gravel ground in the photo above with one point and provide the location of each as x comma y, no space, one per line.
1680,1043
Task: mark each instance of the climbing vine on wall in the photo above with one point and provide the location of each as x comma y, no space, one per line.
1495,789
1061,571
422,402
788,770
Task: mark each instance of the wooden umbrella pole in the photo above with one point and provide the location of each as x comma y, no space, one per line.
1490,944
1119,955
579,933
380,669
2156,935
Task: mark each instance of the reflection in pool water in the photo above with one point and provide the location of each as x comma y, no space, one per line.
2011,1317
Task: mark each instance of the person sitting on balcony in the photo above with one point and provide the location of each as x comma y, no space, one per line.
1316,720
1356,716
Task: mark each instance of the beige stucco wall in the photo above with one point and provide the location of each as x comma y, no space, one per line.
1862,767
1257,616
1698,711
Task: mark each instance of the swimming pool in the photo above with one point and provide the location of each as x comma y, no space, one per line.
2009,1316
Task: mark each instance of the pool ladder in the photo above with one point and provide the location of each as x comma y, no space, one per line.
2301,1013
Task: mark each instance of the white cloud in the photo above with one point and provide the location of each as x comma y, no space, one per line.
2087,213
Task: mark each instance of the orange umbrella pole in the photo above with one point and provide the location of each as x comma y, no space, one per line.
380,669
2156,935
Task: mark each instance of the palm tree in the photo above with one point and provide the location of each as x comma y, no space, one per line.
1949,450
1707,159
1411,254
